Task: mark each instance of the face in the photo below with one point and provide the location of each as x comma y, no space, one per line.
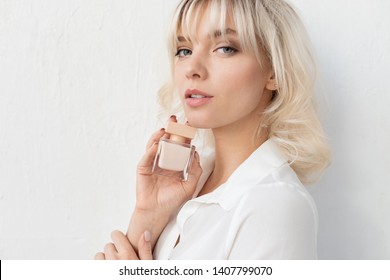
219,84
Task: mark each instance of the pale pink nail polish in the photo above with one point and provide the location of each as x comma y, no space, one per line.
147,236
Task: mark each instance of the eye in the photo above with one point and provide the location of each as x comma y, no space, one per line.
226,50
183,52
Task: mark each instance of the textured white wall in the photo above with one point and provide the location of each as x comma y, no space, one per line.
352,40
77,103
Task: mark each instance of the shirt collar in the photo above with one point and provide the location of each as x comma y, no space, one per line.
255,168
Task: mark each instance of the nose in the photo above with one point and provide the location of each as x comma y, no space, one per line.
196,67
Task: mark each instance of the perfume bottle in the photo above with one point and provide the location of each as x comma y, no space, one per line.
174,155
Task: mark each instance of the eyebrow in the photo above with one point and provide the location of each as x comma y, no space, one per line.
217,34
228,31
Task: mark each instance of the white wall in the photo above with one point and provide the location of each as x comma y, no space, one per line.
352,39
77,103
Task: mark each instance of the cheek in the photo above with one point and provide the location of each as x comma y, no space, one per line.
244,69
246,79
175,77
178,76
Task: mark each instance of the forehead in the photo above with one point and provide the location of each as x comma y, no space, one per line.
204,17
184,37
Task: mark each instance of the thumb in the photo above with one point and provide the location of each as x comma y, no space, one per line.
146,163
194,173
145,247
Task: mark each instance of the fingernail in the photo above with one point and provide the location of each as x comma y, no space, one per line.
197,156
172,117
162,129
147,236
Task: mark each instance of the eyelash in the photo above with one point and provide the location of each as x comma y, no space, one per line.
179,51
231,49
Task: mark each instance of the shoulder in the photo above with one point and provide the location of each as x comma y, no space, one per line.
274,219
280,196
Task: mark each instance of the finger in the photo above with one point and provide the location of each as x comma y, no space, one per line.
171,119
188,141
123,245
193,175
100,256
110,252
145,165
196,169
155,138
145,247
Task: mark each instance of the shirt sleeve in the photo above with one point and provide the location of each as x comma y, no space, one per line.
277,221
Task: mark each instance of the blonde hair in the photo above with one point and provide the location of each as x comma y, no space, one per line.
269,28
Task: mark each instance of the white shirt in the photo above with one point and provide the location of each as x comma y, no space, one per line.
261,212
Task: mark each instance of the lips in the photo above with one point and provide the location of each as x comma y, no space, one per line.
194,93
196,98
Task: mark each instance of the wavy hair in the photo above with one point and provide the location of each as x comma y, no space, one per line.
273,29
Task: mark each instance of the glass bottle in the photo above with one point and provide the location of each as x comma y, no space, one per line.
174,155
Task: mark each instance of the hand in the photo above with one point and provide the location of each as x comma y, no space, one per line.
158,197
162,193
121,249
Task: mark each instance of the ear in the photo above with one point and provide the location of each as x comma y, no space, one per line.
271,83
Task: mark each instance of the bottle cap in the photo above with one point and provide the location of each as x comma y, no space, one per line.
181,130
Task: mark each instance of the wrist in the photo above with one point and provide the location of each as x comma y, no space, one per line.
152,215
146,220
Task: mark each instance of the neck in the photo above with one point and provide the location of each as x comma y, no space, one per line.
233,145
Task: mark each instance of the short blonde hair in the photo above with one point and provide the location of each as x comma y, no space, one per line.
269,28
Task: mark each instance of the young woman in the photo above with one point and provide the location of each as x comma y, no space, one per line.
243,70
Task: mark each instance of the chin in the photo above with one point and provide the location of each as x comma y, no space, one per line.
198,124
198,121
205,118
